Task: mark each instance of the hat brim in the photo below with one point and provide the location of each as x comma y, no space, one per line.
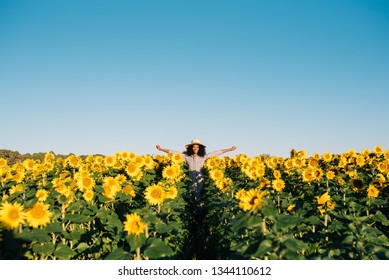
187,146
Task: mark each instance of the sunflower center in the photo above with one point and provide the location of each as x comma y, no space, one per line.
87,182
156,193
38,211
14,214
135,226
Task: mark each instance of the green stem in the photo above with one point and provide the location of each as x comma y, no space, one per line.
368,206
138,257
264,226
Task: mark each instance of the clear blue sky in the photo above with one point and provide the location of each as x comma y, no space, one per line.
266,76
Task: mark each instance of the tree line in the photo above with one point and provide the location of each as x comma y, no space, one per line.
13,157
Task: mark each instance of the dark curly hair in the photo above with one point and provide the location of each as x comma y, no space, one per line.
201,152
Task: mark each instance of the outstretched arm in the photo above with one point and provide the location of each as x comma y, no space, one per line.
162,149
219,152
167,150
228,150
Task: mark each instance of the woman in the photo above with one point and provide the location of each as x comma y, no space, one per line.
195,156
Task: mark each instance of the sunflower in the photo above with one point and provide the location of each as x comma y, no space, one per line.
61,188
325,203
302,154
327,157
251,200
3,170
318,173
298,162
223,184
276,174
278,185
3,162
356,184
125,155
110,161
288,164
39,215
11,215
120,178
272,162
360,160
41,195
88,195
330,175
171,192
149,162
98,160
18,176
155,194
111,186
323,198
351,153
291,207
85,182
139,160
49,157
372,191
239,194
342,162
378,149
383,166
133,170
73,161
169,172
308,175
129,189
17,188
177,159
133,224
216,174
28,164
313,163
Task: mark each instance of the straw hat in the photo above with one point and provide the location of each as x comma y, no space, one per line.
195,142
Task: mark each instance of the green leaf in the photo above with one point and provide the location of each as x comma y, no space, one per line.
163,228
287,221
264,248
113,221
78,218
313,220
64,252
294,244
75,234
117,254
55,227
136,241
379,217
82,247
37,234
348,240
158,249
43,249
270,211
76,206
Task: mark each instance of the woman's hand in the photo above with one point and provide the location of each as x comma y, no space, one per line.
158,147
232,148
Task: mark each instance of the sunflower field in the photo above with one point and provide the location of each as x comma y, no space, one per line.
129,206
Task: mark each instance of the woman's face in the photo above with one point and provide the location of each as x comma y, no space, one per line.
195,149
